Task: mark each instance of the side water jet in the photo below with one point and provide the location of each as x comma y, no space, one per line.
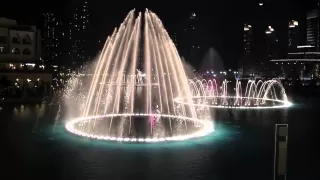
130,95
251,95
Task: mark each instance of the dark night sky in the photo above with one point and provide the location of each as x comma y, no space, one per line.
223,19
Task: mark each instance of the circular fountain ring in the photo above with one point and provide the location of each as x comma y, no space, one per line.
207,128
126,84
269,103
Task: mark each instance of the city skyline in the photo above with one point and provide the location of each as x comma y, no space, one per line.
207,90
223,35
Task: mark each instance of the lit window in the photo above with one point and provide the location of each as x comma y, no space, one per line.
3,49
15,51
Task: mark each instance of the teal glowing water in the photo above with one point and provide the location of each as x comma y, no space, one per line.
221,133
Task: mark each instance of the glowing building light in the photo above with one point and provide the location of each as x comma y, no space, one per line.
30,64
305,46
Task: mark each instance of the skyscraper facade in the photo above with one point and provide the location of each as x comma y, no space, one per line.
272,43
78,32
293,35
189,39
313,18
247,39
52,37
246,60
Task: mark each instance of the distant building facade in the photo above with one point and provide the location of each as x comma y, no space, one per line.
22,72
78,32
66,36
19,42
188,40
304,63
313,20
247,39
272,43
52,38
293,35
247,59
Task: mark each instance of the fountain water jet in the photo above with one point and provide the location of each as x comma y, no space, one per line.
125,104
255,94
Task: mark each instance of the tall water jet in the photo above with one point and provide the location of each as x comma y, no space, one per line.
211,61
126,104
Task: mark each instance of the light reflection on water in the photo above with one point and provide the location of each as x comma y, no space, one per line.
64,156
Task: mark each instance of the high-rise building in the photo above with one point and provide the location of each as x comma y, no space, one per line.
78,32
293,36
52,37
272,43
313,18
189,39
246,60
247,38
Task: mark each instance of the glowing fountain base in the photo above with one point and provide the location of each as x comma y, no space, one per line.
79,126
233,102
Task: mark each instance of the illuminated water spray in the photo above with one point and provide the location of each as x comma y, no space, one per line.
126,104
236,95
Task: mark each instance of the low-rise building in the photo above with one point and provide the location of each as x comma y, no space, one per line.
304,63
22,72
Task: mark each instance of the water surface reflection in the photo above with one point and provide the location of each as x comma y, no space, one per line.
243,149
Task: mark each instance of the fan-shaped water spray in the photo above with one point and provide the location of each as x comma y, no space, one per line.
128,105
211,62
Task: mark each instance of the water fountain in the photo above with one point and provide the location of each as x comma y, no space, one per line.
124,104
251,95
138,90
211,62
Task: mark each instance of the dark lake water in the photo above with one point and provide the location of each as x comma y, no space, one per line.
241,148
